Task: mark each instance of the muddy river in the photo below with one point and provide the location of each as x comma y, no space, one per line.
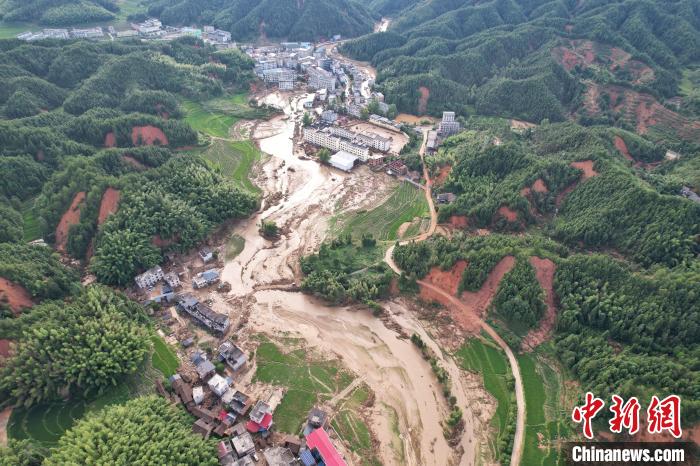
301,197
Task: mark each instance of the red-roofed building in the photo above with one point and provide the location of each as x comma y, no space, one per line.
318,440
264,424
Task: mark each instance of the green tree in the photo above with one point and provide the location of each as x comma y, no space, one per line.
324,156
20,453
121,255
81,347
146,430
269,229
308,119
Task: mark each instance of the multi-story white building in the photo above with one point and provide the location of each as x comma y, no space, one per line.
149,278
324,138
372,140
90,33
448,125
321,79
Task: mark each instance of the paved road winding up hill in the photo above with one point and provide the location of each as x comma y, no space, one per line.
517,453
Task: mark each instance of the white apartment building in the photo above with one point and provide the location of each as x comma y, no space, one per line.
321,79
448,125
324,138
372,140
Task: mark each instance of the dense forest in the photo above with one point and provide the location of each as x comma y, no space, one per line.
283,19
532,60
58,12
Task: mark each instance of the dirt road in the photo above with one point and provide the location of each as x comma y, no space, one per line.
516,455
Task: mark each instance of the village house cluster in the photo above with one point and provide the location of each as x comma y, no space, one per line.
150,29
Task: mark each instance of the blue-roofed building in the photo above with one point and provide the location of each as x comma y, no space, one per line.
206,278
307,458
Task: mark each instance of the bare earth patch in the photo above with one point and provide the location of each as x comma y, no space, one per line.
507,213
587,167
448,280
544,270
474,304
622,148
70,217
108,205
16,296
539,187
133,162
444,172
423,100
159,242
148,136
110,139
459,221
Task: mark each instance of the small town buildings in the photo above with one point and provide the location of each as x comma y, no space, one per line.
329,116
431,144
150,27
320,78
384,122
205,369
343,161
198,395
243,444
182,390
446,198
149,278
316,419
396,167
325,138
233,356
206,254
204,279
240,403
203,413
323,449
89,33
172,279
687,192
448,126
215,36
224,448
202,428
218,385
260,418
203,314
127,34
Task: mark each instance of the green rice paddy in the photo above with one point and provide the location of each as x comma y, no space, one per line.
235,159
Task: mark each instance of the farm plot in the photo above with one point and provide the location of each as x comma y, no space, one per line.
352,428
383,222
235,159
164,357
308,379
483,357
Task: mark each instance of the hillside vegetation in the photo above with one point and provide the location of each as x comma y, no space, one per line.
59,12
84,118
250,19
535,59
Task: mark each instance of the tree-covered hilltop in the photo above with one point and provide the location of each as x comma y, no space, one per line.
77,348
84,117
58,12
531,59
146,430
249,19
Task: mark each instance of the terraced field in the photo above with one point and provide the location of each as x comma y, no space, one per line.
383,221
484,358
235,159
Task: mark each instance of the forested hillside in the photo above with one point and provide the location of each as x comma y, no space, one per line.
91,129
615,61
58,12
251,19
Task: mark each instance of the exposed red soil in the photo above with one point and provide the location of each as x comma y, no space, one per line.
588,172
525,192
622,148
40,155
442,175
110,139
148,136
459,221
70,217
423,100
544,270
476,303
507,213
16,296
132,161
587,167
539,187
447,280
162,243
4,349
109,204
